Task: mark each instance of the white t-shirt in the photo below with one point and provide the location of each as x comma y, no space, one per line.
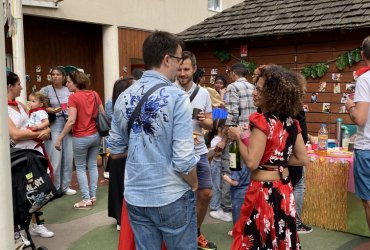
214,142
20,120
362,94
37,117
203,102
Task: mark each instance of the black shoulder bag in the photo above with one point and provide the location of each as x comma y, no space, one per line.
195,92
140,104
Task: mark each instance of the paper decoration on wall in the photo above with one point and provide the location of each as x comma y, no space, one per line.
326,107
38,68
322,87
336,88
344,98
50,70
212,79
214,71
48,76
350,86
305,108
336,76
314,97
342,109
38,78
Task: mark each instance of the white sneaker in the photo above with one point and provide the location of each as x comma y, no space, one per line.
70,191
106,175
40,230
25,241
221,215
118,228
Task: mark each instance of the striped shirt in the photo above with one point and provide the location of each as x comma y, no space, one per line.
239,101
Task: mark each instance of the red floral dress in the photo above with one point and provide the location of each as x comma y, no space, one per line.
267,217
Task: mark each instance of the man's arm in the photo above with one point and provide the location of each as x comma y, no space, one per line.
205,120
191,179
358,112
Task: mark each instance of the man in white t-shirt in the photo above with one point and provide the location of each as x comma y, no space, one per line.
359,113
200,99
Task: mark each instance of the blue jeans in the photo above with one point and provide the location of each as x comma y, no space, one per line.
215,202
237,200
298,193
174,223
60,159
86,150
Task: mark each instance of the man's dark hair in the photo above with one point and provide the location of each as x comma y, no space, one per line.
239,69
366,47
120,86
137,73
157,45
189,55
198,75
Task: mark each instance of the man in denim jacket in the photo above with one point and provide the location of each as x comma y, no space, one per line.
160,177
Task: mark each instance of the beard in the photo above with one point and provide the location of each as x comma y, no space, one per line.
184,81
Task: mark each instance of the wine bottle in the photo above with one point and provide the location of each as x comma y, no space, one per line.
234,157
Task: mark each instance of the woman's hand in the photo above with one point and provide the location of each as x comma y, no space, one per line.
234,133
44,134
58,144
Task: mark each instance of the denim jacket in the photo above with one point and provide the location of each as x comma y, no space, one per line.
160,146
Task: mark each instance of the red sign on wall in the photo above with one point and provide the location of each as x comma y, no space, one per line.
243,50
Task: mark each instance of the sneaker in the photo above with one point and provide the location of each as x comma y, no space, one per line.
230,233
304,229
40,230
118,227
20,235
205,244
221,215
106,175
70,191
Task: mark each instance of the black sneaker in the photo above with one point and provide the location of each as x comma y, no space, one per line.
303,229
204,244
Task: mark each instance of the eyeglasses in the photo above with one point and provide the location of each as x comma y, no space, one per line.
180,59
258,88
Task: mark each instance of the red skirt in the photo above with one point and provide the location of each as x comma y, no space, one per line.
126,235
267,217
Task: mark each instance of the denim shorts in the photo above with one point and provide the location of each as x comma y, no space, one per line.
362,174
204,173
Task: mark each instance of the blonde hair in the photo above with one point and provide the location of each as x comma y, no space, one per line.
44,100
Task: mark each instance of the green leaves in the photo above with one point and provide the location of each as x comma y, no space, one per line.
222,55
251,66
315,71
347,59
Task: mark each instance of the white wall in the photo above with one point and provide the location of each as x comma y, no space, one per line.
169,15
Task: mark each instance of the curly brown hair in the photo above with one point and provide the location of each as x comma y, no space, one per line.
283,90
43,99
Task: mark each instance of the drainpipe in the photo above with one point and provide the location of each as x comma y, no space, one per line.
6,211
110,59
18,48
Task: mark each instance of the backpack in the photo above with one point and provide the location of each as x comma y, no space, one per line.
31,184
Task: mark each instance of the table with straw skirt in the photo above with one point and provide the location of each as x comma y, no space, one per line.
325,201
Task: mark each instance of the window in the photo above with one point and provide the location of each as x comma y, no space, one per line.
214,5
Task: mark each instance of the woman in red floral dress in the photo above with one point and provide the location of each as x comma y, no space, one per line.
267,217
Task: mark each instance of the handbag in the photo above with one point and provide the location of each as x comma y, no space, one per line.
52,117
102,122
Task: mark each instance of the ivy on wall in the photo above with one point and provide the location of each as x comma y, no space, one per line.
347,59
224,56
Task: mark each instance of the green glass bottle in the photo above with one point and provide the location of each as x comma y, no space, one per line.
234,157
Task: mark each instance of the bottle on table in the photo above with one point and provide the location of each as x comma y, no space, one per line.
323,136
345,139
338,131
234,151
